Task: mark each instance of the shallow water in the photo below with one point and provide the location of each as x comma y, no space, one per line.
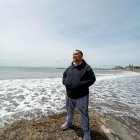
118,96
116,93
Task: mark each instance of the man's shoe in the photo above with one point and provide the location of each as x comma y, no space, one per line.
66,125
87,137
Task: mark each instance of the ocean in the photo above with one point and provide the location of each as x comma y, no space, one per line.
27,93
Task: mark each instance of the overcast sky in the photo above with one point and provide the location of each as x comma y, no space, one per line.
46,32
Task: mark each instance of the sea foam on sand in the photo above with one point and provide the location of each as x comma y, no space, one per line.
28,98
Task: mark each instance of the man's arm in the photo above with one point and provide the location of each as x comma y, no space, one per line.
64,77
90,78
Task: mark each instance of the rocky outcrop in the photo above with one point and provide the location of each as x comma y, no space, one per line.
48,128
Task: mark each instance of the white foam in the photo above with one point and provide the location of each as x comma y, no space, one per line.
29,98
116,75
46,95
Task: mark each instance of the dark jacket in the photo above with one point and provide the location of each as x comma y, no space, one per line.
77,80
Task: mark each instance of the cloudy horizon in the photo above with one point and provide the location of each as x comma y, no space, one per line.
45,33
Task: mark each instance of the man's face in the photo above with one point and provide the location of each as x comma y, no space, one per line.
77,56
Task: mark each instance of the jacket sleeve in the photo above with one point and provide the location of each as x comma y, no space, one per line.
90,78
64,77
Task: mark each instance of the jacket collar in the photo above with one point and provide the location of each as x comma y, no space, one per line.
79,66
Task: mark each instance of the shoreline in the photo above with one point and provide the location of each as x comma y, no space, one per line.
48,128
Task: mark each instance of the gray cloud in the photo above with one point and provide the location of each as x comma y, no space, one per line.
39,32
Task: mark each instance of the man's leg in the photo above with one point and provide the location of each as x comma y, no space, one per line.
82,105
70,107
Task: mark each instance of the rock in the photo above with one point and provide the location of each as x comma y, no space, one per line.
116,130
48,128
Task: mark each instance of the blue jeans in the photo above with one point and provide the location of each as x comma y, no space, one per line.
82,105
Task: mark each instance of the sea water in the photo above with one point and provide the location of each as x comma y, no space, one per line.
27,93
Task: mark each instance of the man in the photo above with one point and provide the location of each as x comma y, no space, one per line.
77,78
